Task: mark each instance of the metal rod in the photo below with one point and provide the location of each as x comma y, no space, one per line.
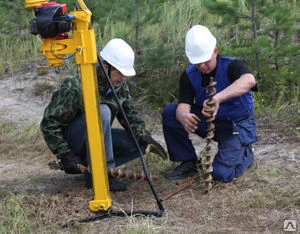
187,185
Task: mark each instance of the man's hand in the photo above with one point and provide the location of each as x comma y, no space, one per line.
156,148
71,163
187,119
210,108
190,122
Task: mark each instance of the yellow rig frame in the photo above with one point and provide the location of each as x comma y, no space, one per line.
83,44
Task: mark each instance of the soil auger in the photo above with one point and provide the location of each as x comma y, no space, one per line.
208,157
120,173
129,174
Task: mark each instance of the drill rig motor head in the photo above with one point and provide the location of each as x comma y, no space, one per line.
51,20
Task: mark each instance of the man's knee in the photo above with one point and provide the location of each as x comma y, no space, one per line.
223,172
169,110
169,115
227,173
223,176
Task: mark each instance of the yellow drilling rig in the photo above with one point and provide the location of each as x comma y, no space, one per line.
53,24
65,35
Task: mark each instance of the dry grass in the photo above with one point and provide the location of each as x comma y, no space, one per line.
36,199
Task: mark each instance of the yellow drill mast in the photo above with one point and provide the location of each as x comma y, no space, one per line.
55,46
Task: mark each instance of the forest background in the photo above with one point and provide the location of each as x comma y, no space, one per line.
264,34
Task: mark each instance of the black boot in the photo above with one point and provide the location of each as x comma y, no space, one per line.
116,185
185,169
88,180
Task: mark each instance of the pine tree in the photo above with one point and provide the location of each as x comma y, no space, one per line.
263,34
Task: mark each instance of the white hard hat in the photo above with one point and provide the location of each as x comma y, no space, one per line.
120,55
199,44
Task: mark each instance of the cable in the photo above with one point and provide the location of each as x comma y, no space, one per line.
109,214
56,56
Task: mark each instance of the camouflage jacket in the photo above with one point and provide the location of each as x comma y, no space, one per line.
67,103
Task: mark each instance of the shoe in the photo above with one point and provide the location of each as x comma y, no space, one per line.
88,180
185,169
116,185
159,151
253,164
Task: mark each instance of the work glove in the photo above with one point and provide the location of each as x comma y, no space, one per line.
71,163
154,146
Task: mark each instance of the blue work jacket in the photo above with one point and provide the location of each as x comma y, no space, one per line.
229,109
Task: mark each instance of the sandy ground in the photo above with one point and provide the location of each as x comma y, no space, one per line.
277,147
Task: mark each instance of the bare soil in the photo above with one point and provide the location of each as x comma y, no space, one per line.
258,202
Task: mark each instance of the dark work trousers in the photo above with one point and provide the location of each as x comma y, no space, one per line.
234,139
119,145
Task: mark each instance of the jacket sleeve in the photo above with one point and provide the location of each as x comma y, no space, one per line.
137,123
65,105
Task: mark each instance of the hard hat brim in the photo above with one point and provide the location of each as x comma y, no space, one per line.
202,59
111,61
125,72
130,72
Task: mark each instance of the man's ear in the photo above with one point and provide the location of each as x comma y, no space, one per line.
216,50
105,67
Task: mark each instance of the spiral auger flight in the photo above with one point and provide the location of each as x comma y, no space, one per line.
126,173
114,172
208,154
